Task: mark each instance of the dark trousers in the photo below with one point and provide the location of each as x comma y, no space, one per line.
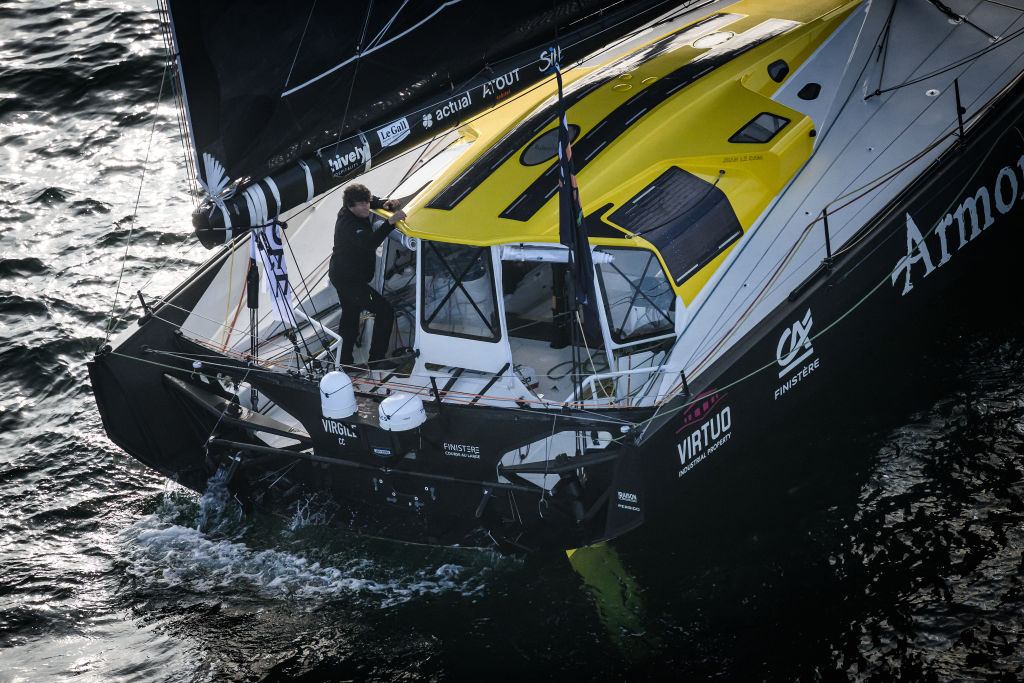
356,297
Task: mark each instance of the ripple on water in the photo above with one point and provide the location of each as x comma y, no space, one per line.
938,546
22,267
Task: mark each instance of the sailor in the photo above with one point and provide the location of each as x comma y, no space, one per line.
352,267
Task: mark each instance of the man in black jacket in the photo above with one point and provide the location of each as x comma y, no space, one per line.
352,266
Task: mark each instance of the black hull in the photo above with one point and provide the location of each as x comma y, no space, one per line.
157,410
866,324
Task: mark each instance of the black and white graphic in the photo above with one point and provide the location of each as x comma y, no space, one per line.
268,244
394,132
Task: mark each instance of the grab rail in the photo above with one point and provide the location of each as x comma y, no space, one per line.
328,332
592,380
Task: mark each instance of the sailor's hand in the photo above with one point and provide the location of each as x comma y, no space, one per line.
398,215
392,205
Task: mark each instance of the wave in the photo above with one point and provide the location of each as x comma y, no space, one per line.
69,58
163,556
202,547
22,267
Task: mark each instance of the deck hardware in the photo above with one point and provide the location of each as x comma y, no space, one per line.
828,242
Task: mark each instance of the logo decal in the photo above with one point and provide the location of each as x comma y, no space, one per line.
795,344
793,349
628,501
450,108
500,86
549,57
345,162
974,212
700,408
343,431
428,120
462,450
393,133
705,439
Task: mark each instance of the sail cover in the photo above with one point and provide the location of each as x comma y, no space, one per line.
266,85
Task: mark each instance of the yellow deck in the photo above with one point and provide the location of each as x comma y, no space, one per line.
689,129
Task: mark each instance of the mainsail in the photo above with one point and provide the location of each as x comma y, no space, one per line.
283,104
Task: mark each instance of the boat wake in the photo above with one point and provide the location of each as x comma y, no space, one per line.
211,546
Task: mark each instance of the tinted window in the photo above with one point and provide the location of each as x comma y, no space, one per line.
545,148
458,291
638,297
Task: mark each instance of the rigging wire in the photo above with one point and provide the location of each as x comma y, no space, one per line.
355,70
227,299
298,48
135,211
384,30
960,19
360,52
302,278
1004,40
883,49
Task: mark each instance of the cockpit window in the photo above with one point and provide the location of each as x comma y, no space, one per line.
458,291
638,297
761,128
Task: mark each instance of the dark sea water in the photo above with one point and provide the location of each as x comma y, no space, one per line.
888,543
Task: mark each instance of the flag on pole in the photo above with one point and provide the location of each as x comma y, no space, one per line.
572,230
266,241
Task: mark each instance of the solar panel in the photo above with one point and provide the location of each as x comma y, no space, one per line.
688,220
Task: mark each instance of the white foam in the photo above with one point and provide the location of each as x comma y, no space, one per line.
199,548
162,555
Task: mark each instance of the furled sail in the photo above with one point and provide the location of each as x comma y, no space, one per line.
285,102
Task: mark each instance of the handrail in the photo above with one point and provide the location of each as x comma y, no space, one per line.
328,332
593,379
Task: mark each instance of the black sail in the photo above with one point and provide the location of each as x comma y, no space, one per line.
284,101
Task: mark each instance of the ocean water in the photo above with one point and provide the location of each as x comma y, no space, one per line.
889,545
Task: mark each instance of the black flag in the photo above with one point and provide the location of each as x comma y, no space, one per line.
572,231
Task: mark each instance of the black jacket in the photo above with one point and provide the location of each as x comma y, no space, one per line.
355,245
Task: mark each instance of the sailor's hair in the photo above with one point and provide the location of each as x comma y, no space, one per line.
355,193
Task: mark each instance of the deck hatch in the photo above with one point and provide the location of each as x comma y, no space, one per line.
761,128
687,219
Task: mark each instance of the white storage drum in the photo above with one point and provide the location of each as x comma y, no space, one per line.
402,412
337,397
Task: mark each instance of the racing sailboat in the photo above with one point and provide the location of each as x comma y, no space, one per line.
763,188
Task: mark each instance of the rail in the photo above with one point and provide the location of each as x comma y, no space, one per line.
591,384
330,333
